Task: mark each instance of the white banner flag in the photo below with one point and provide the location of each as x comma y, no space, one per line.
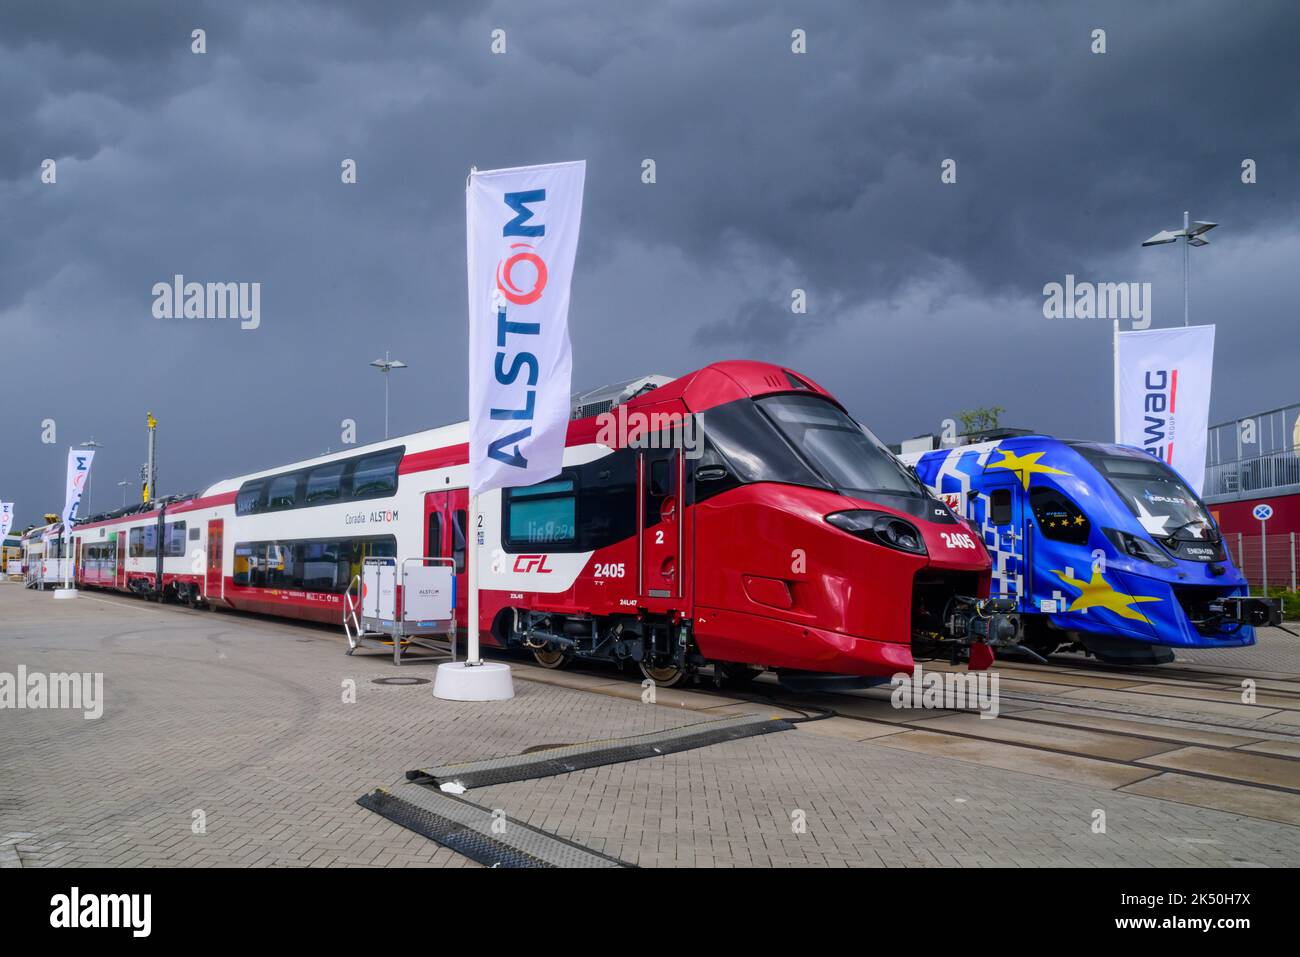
6,518
523,237
1164,386
78,471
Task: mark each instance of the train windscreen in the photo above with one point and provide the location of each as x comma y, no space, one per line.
845,454
1154,493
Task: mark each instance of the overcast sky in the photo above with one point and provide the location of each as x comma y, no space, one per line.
775,171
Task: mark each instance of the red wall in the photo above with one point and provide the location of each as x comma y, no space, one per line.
1235,517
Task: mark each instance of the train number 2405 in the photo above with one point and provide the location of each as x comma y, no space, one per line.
609,570
957,540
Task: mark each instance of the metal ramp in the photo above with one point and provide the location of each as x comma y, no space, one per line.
591,754
479,833
413,604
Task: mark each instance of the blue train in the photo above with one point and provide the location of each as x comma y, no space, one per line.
1104,548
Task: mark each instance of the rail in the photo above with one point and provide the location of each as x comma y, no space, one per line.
1260,473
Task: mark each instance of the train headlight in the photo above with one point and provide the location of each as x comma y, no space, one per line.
888,530
1138,548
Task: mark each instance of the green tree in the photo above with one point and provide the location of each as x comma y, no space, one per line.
977,421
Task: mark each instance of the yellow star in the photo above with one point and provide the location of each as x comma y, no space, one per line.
1025,465
1079,520
1099,593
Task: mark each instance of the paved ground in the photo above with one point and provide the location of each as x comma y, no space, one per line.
244,720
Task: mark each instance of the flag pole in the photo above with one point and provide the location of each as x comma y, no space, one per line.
472,656
1115,376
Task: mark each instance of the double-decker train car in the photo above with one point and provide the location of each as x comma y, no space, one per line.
736,517
42,556
1103,548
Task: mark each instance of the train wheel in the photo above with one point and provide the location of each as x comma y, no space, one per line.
665,676
552,658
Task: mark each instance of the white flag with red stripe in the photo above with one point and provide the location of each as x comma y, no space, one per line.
1164,388
523,239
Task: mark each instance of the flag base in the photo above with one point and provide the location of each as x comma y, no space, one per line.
461,681
65,593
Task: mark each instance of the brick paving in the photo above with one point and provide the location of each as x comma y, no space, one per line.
243,718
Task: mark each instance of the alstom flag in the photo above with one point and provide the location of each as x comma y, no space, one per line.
523,238
78,471
6,518
1164,390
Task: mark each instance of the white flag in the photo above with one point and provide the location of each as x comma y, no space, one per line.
1164,386
78,471
523,237
6,518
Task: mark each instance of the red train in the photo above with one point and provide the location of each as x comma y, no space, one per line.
734,517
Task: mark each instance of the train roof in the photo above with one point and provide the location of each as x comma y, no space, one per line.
698,391
1017,441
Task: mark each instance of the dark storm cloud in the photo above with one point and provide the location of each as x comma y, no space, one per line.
775,172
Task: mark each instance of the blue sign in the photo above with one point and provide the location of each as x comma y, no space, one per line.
1263,512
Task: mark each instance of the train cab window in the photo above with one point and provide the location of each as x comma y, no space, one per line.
660,478
325,483
542,514
458,539
1000,507
376,475
249,499
282,492
1058,517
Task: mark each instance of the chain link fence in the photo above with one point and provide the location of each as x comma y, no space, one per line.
1265,558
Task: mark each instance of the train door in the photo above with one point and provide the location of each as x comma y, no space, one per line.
1007,538
445,524
119,577
659,477
214,587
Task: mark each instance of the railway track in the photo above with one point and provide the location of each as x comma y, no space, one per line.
1179,732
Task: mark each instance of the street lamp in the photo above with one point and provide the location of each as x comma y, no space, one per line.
90,477
1192,234
386,365
124,485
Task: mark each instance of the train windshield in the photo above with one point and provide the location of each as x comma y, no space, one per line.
845,455
1156,496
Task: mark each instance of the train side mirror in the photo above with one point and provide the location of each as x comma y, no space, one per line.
710,473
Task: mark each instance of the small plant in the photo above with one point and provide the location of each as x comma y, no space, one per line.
977,421
1290,602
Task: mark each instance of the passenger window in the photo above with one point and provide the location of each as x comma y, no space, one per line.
1000,507
1058,517
376,476
542,514
283,492
324,483
458,539
433,536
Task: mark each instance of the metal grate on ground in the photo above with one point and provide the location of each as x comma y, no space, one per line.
590,754
492,840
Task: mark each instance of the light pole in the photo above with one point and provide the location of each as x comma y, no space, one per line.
387,365
124,485
90,478
1192,234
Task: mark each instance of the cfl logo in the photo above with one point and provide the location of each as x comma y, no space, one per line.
531,563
